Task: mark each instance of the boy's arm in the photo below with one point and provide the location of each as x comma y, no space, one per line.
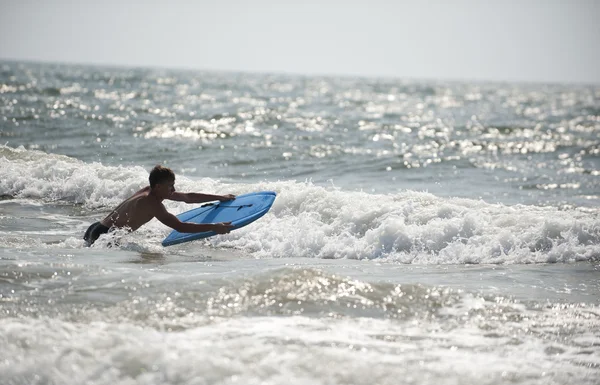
199,198
173,222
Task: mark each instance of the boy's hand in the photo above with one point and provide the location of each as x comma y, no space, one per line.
222,228
228,197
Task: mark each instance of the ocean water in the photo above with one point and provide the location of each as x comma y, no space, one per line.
423,233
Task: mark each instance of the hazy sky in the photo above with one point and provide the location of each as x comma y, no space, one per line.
529,40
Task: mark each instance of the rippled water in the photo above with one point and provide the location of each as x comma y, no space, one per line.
511,143
423,232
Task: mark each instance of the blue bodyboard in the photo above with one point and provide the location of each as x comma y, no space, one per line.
241,211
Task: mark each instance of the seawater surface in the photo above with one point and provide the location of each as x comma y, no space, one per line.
423,232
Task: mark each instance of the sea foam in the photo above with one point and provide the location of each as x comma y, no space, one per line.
311,221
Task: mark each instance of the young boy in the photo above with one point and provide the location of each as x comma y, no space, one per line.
146,204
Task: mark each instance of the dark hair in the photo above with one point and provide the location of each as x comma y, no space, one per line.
160,174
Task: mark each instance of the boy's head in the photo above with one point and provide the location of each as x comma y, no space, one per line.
160,175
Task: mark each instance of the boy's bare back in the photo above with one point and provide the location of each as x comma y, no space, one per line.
135,211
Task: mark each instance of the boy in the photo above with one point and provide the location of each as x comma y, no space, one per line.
146,204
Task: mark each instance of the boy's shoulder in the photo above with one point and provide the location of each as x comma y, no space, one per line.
151,202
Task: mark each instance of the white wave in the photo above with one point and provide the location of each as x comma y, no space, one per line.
303,350
317,222
35,174
414,227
